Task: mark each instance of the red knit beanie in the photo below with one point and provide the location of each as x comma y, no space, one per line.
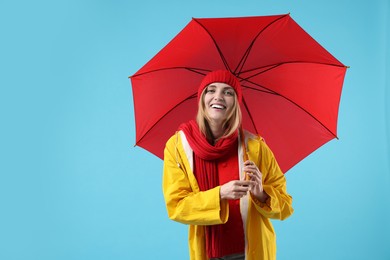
221,76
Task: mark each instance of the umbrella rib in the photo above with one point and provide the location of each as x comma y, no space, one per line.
248,50
216,45
310,114
150,128
289,100
272,66
250,114
195,70
265,90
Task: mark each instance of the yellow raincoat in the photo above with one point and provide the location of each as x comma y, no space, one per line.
187,204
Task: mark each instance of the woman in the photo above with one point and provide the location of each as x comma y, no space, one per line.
227,202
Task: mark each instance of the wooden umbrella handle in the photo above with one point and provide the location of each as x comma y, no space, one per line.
245,155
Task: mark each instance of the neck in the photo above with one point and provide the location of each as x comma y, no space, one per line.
216,130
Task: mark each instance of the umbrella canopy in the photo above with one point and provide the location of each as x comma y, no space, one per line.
291,84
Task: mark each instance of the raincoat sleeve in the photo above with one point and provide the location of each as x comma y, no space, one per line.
279,203
184,202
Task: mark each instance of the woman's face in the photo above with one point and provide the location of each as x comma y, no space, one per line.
219,101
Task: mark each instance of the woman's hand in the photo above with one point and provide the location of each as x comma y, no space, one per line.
234,189
256,178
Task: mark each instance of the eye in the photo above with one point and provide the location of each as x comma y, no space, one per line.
229,92
210,90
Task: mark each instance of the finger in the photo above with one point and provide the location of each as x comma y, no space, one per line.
248,162
243,189
250,166
242,183
239,195
255,177
250,172
253,169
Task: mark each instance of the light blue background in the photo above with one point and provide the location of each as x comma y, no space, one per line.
72,186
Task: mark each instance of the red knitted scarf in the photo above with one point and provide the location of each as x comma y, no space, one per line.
205,165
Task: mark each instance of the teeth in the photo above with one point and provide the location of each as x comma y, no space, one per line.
218,106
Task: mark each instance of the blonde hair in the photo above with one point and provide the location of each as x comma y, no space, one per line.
232,123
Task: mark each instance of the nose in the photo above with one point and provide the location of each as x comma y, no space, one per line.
218,95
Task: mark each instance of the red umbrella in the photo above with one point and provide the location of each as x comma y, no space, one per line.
291,84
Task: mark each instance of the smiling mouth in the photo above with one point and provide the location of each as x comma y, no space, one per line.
218,106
